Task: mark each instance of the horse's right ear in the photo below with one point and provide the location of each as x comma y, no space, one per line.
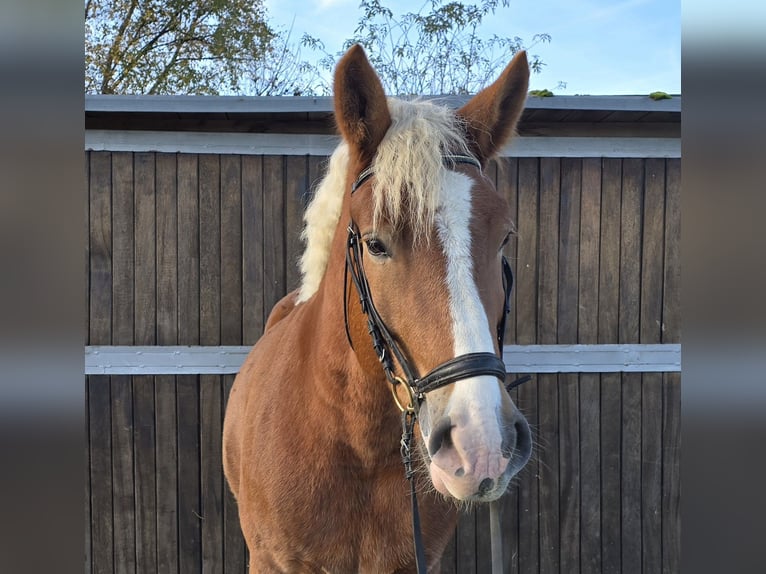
361,109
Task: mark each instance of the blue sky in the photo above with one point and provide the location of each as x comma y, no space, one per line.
598,47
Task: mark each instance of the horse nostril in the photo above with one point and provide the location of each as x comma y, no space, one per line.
440,436
523,439
486,485
517,440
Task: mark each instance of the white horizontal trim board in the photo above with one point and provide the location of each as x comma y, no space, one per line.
318,144
664,358
170,360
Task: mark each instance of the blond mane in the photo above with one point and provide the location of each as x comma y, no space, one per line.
409,175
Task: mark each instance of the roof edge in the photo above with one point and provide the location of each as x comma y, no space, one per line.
302,104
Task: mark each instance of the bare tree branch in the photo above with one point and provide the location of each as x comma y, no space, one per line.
113,51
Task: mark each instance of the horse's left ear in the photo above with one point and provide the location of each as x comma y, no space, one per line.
492,114
361,109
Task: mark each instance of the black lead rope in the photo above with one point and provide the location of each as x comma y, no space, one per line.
387,350
408,425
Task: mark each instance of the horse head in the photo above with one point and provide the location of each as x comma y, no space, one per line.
431,228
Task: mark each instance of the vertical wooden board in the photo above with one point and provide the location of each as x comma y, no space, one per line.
145,248
611,473
166,473
123,493
164,389
189,508
567,292
187,387
671,297
651,472
145,323
611,392
631,473
100,332
671,473
211,486
211,471
483,557
630,249
671,384
296,197
652,252
590,473
526,334
587,333
548,391
449,556
548,472
567,331
252,249
273,232
507,186
526,250
630,281
188,250
465,546
166,246
609,268
651,385
231,250
233,541
550,198
100,249
590,233
122,248
231,332
145,473
210,249
100,445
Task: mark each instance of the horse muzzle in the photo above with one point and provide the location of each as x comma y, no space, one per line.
476,462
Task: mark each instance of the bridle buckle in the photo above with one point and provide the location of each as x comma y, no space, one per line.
412,406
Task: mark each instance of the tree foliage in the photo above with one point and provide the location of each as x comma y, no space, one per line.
282,71
172,46
436,50
227,46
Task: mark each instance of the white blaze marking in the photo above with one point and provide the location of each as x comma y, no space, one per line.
470,326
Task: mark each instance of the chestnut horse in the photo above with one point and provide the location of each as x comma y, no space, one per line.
312,432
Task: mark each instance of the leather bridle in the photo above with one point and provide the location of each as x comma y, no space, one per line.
386,348
385,345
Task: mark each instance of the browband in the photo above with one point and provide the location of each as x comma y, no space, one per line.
449,160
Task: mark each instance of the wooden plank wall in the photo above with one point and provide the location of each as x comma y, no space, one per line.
195,249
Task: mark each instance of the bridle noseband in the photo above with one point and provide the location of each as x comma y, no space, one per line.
386,347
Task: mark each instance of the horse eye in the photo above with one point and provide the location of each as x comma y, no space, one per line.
376,247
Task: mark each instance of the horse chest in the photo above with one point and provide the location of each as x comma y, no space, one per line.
342,522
